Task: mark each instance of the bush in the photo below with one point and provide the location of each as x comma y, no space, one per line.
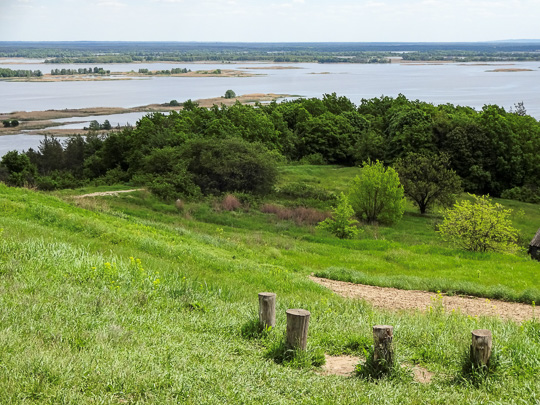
377,195
529,193
17,170
230,203
166,175
479,226
230,94
230,165
10,123
341,224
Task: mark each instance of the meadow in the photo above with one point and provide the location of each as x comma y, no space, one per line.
127,299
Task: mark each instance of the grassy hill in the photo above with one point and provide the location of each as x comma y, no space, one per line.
125,299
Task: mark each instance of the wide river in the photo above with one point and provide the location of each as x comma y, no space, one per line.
468,84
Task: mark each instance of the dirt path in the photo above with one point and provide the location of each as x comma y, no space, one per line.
105,193
392,298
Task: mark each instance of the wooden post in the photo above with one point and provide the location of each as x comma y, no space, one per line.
267,309
383,353
297,328
481,347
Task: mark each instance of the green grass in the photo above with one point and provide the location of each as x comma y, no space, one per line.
81,322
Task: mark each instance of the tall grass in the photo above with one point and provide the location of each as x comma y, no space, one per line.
84,320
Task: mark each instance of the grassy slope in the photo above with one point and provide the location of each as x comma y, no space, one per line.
75,329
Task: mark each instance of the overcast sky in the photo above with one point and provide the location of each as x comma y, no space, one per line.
269,20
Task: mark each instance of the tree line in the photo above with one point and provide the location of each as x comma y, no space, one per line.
81,71
173,71
492,150
4,72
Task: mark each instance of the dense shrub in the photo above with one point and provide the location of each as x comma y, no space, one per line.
479,226
376,195
529,193
341,224
229,165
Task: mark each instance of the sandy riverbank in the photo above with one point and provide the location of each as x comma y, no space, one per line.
47,77
40,122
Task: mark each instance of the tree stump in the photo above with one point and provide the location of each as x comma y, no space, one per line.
267,309
297,328
383,350
481,347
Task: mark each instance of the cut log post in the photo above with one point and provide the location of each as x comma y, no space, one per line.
267,309
383,350
481,347
297,328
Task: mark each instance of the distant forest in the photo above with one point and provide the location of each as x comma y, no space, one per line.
494,151
127,52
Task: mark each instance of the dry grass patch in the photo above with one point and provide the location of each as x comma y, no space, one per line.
300,215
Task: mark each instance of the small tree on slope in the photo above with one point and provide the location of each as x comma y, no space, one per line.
341,224
479,226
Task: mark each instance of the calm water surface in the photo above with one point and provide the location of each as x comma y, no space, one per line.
463,84
460,84
20,142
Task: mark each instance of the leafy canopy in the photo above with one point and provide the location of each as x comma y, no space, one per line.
376,195
428,180
341,224
479,226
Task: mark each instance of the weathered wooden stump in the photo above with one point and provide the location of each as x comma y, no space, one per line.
481,347
267,309
383,350
297,328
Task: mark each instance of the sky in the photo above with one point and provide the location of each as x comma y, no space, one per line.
269,20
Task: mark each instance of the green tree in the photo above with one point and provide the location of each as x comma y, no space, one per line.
106,125
376,195
427,180
19,171
94,126
230,94
479,226
230,165
341,224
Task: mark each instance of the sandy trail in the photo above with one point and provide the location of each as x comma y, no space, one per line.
106,193
392,298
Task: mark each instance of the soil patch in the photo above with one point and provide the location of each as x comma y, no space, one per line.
421,374
345,366
394,299
339,365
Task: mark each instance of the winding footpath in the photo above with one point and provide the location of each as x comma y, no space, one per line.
392,298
